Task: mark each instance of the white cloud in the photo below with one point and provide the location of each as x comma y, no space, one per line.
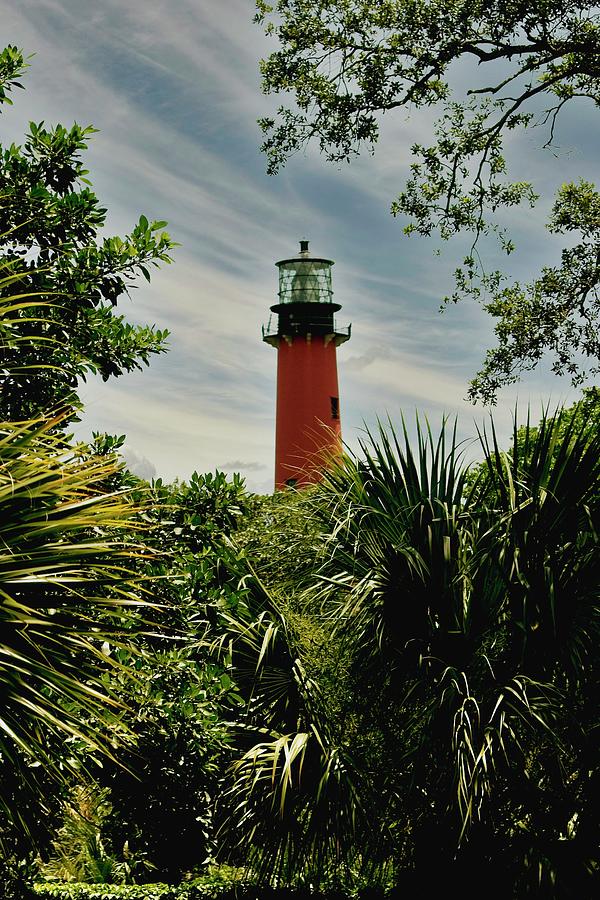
240,465
138,464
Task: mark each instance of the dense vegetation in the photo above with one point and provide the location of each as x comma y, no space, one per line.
358,687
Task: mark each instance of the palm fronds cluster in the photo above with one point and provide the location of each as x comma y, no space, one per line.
66,587
462,721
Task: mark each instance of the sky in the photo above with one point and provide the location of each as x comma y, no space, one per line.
173,87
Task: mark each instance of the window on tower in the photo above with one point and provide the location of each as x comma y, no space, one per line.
335,407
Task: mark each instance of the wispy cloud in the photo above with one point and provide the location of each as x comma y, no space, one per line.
240,465
139,464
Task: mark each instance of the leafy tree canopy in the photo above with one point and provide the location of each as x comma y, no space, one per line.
348,62
50,226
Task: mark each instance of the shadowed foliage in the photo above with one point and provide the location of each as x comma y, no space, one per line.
469,613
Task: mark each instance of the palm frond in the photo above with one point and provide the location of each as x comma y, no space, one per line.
298,809
544,504
395,576
65,575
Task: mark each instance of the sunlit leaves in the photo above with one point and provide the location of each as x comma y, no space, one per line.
65,585
12,66
50,224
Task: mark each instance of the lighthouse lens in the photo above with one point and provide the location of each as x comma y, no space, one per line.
305,281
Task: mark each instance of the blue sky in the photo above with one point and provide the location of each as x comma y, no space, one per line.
173,86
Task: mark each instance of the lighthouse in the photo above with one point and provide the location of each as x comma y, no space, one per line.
305,333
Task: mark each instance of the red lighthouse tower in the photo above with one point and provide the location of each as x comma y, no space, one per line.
306,336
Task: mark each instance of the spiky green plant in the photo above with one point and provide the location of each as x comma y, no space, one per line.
79,852
294,806
66,585
472,619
